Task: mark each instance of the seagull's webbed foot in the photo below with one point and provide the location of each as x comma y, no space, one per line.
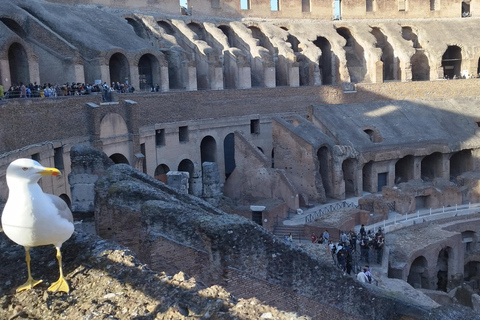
29,284
60,285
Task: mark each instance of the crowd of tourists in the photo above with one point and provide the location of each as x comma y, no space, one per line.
365,245
48,90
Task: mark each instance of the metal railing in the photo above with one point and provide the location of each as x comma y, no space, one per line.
333,207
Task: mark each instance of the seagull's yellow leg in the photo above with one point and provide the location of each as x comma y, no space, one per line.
61,284
30,282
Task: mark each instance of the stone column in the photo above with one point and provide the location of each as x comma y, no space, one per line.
164,81
445,174
417,168
294,75
191,80
5,79
269,77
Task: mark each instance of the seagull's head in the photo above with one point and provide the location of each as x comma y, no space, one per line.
28,171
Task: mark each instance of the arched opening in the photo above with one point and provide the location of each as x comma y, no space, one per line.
119,158
18,62
354,54
442,268
66,198
186,165
418,275
348,169
326,61
404,169
324,161
452,62
208,149
14,26
161,172
166,27
431,166
273,157
148,72
460,162
198,30
119,68
420,67
388,57
228,32
137,28
229,154
409,35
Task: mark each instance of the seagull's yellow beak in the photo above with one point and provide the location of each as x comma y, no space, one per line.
50,172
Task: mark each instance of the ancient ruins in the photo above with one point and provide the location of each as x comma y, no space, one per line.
270,106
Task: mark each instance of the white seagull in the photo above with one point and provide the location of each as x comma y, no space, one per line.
32,218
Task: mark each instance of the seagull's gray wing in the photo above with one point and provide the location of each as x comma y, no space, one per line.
62,207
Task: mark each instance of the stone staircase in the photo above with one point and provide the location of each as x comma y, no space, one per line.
298,231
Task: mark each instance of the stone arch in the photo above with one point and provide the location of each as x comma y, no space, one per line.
186,165
208,149
388,58
348,169
355,55
229,154
418,275
326,61
149,71
166,26
452,62
229,33
67,200
161,172
409,35
444,258
373,134
119,158
325,170
119,68
112,125
460,162
198,29
137,26
466,9
14,26
420,67
19,64
431,167
404,169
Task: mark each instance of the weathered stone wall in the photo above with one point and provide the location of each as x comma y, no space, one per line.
230,242
318,9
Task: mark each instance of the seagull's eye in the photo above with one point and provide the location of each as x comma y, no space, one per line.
24,168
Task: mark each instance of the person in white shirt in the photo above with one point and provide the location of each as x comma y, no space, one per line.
361,277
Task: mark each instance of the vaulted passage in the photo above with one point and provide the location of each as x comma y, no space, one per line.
420,67
452,62
208,149
354,55
460,162
186,165
119,69
119,158
324,161
18,62
418,275
138,28
161,173
326,62
229,154
348,167
388,58
404,169
442,268
432,166
148,71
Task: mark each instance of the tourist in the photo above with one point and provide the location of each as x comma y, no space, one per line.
364,248
379,245
368,274
23,90
314,237
343,238
361,277
362,231
326,236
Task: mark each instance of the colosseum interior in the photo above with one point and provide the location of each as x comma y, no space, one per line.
278,104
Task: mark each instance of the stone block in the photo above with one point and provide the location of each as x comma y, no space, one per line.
178,180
